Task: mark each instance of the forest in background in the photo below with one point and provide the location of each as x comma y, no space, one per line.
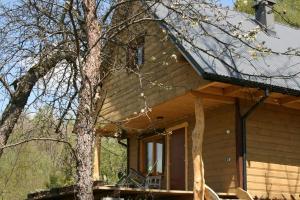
286,11
40,165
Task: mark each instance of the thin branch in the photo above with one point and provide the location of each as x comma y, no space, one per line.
6,86
40,139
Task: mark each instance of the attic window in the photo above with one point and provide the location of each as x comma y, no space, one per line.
139,55
135,54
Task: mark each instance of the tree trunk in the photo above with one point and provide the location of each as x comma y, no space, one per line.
87,110
198,132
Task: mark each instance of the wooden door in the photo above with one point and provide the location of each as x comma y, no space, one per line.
177,159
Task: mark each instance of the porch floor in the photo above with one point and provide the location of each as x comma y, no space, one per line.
100,191
134,193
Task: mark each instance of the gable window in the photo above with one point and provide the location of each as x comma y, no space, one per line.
135,54
139,55
153,156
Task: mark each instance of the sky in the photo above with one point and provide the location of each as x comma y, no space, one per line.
227,2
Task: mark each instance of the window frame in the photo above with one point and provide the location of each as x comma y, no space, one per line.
132,53
144,156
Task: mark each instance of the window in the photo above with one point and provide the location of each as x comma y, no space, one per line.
135,53
153,156
139,55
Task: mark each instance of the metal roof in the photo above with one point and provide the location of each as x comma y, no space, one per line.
219,49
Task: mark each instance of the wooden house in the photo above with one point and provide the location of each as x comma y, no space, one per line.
251,124
250,114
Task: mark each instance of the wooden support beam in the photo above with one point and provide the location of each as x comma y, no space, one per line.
232,90
294,105
288,100
272,100
226,93
122,132
212,97
208,85
97,152
213,90
197,138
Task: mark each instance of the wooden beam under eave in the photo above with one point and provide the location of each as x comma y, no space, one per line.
122,132
294,105
227,93
213,90
232,90
209,84
110,130
212,97
288,100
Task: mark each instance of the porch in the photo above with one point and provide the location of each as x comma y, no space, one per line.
168,136
102,191
113,192
140,193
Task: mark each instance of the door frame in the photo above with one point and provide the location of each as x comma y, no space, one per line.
169,131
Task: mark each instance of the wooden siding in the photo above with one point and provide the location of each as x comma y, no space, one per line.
220,175
165,75
273,152
219,149
133,153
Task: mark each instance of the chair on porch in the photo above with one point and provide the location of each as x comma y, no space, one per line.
153,182
136,179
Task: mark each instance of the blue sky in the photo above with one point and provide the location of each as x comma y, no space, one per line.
227,2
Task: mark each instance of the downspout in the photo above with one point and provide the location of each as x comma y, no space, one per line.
243,121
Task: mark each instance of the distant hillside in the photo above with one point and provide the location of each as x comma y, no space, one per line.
287,11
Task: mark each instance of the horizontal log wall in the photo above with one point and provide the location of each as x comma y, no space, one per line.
133,153
273,153
165,75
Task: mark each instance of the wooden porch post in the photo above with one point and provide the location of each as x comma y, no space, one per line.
97,152
197,137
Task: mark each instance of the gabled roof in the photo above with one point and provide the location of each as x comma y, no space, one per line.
205,45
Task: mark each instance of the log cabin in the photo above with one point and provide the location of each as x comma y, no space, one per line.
179,98
251,123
